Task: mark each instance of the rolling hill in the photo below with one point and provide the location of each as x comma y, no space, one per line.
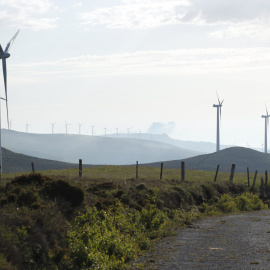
96,150
13,162
241,156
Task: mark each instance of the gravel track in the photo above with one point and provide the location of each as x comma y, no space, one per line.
240,241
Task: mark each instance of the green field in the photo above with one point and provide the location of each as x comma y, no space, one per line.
118,173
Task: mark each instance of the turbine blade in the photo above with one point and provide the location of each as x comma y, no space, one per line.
1,50
218,97
11,42
5,81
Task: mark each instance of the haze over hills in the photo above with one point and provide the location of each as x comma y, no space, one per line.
92,149
241,156
204,147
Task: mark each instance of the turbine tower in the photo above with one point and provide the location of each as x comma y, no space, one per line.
66,125
53,127
266,124
80,125
218,106
4,55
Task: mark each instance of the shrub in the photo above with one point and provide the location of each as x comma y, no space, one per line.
63,190
227,204
249,202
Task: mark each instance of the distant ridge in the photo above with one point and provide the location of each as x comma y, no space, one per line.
241,156
98,150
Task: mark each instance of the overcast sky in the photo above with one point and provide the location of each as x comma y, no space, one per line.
132,63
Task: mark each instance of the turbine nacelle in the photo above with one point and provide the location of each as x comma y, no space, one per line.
4,55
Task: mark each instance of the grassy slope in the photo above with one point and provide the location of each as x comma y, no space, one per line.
242,157
13,162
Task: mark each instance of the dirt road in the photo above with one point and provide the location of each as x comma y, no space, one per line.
239,241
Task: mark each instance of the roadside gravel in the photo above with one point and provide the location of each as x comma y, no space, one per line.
240,241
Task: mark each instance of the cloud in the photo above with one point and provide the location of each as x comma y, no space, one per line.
227,11
160,128
136,14
233,19
79,4
184,61
27,14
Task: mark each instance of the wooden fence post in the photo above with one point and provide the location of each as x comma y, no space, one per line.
80,168
266,178
248,176
232,172
161,170
262,189
33,167
182,171
216,173
137,169
254,179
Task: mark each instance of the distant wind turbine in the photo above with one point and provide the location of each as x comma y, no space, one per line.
66,125
4,55
80,128
105,129
218,106
128,129
92,130
266,124
26,127
52,127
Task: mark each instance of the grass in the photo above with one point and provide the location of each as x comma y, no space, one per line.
119,173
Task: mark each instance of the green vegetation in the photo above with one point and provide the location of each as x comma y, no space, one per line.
106,219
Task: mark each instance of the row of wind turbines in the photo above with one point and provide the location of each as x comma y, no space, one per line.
219,105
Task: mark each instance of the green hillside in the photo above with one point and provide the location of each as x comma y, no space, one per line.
13,162
242,157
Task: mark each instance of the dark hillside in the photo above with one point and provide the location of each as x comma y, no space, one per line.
242,157
13,162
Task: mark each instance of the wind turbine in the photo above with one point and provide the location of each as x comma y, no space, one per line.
4,55
218,106
92,130
26,127
66,125
52,126
128,129
266,123
80,128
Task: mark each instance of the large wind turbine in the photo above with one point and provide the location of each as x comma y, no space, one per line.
266,123
218,106
4,55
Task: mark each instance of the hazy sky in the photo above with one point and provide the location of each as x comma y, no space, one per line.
130,63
